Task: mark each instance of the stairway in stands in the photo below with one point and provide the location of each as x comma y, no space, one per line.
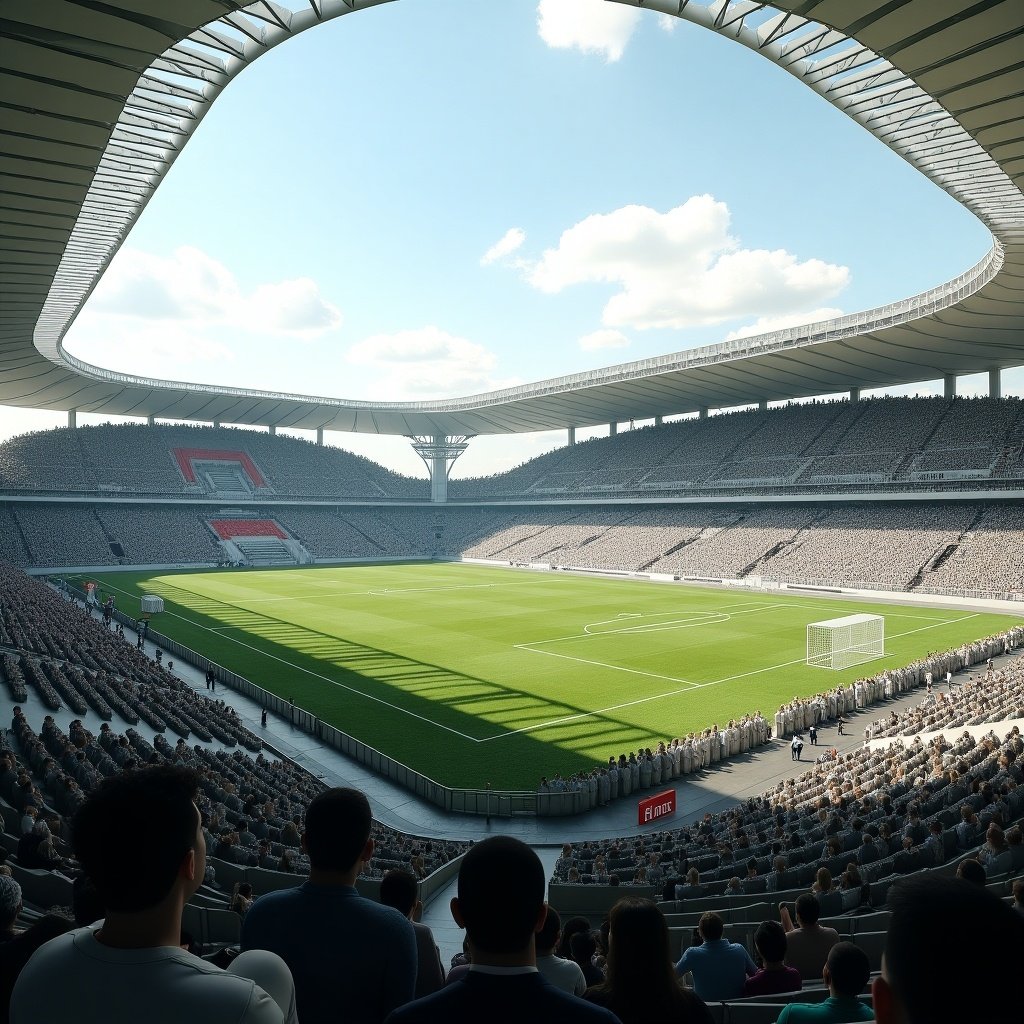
264,551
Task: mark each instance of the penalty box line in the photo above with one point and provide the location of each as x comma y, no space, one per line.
673,693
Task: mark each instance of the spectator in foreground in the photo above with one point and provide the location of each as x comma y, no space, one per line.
399,889
807,942
719,967
971,871
564,974
641,985
139,839
351,958
583,947
846,973
500,903
775,976
982,981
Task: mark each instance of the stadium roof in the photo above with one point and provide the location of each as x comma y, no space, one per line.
99,99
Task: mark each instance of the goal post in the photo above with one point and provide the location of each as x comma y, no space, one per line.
844,642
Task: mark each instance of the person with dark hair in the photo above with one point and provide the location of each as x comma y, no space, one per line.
583,949
399,889
351,958
564,974
845,973
569,929
775,976
807,942
719,967
641,985
982,981
970,870
139,839
500,903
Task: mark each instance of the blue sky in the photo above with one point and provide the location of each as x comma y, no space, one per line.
440,197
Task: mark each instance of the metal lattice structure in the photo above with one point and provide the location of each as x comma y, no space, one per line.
99,100
439,454
846,641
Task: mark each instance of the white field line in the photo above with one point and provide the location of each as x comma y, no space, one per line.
673,693
309,672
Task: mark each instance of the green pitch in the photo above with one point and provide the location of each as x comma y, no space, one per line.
473,674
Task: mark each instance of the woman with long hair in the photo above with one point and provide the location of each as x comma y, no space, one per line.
640,983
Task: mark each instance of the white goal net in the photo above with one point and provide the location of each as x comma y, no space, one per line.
850,640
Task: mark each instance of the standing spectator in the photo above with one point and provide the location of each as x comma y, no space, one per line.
350,957
775,976
796,747
846,972
807,943
719,967
500,903
139,839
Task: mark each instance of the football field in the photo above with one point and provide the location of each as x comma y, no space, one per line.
473,674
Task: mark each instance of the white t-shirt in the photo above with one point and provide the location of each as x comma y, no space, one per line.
564,974
75,978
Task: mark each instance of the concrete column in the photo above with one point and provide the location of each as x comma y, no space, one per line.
854,394
572,436
320,436
949,385
151,421
703,412
763,405
439,473
216,423
659,420
273,430
72,419
995,389
613,429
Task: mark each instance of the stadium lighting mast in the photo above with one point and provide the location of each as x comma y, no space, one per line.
439,452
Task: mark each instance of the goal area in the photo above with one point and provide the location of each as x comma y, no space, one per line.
844,642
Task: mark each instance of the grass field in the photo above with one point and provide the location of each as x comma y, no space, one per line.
474,674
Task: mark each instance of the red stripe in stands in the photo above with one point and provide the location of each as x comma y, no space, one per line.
184,457
228,528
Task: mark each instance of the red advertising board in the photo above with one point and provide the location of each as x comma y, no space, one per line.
656,807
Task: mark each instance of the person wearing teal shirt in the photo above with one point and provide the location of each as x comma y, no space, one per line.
846,974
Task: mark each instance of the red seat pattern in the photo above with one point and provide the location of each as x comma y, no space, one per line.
228,528
184,457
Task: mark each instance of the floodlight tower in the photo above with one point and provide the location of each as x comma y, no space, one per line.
439,452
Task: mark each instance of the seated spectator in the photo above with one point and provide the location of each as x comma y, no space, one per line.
822,881
1015,842
983,980
1018,896
583,949
971,871
139,839
641,986
500,903
807,942
10,908
241,898
719,967
691,888
571,927
399,889
774,976
845,973
564,974
995,855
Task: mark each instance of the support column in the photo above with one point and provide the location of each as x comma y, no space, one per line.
659,420
613,429
273,430
995,389
439,453
949,385
216,423
572,436
763,405
151,421
320,437
72,419
703,412
854,394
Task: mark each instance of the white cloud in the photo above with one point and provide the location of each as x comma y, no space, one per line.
667,23
592,26
605,338
505,246
764,324
682,268
426,362
191,288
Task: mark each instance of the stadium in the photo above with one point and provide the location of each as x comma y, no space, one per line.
614,651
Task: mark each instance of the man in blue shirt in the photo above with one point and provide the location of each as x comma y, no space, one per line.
352,959
846,973
719,967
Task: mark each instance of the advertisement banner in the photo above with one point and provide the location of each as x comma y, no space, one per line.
656,807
